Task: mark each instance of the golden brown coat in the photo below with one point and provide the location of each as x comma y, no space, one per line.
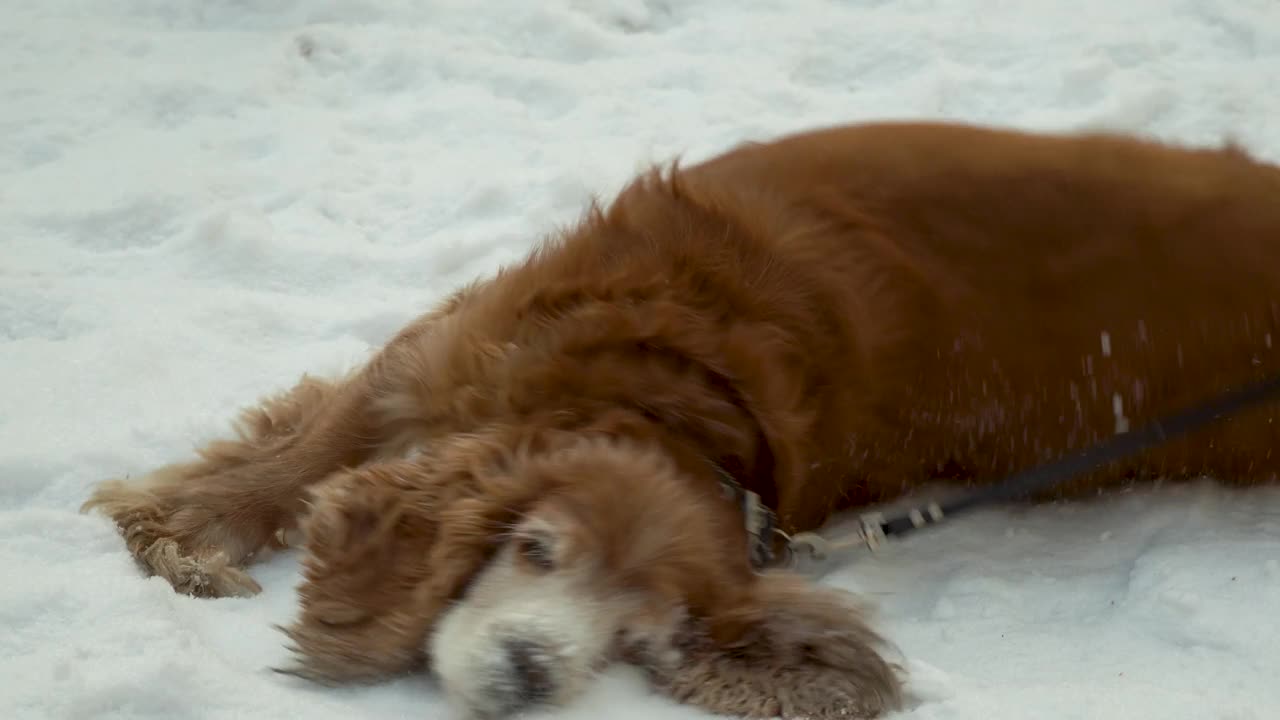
835,318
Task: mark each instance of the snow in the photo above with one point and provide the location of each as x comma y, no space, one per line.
201,199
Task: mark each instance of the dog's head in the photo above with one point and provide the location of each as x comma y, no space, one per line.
516,574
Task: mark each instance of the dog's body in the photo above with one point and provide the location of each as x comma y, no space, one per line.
833,319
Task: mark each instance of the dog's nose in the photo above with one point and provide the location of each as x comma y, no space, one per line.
531,671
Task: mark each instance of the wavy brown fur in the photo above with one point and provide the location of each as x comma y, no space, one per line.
835,317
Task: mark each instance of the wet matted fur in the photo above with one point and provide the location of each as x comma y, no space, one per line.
520,487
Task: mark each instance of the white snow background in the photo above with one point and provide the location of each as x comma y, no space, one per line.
202,199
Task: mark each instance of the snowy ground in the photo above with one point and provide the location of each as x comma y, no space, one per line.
201,199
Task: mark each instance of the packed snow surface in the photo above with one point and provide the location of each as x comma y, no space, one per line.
202,199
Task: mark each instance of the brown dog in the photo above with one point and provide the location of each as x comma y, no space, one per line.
525,484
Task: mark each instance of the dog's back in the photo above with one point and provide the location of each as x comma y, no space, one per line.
1011,296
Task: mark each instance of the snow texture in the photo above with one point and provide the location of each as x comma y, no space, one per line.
201,199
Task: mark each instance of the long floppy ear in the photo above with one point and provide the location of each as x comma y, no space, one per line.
791,649
389,546
368,535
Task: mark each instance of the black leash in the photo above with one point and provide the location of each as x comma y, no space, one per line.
874,529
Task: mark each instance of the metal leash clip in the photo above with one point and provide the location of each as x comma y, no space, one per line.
813,554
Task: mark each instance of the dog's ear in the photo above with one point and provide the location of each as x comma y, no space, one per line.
789,649
389,546
368,535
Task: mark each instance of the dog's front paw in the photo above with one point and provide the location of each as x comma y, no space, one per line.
803,652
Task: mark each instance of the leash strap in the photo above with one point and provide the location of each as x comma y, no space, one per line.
874,529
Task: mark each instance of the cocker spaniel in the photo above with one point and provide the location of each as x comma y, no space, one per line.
528,483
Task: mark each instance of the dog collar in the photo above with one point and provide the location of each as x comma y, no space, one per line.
760,522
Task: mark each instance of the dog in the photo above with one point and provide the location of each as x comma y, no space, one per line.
529,482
